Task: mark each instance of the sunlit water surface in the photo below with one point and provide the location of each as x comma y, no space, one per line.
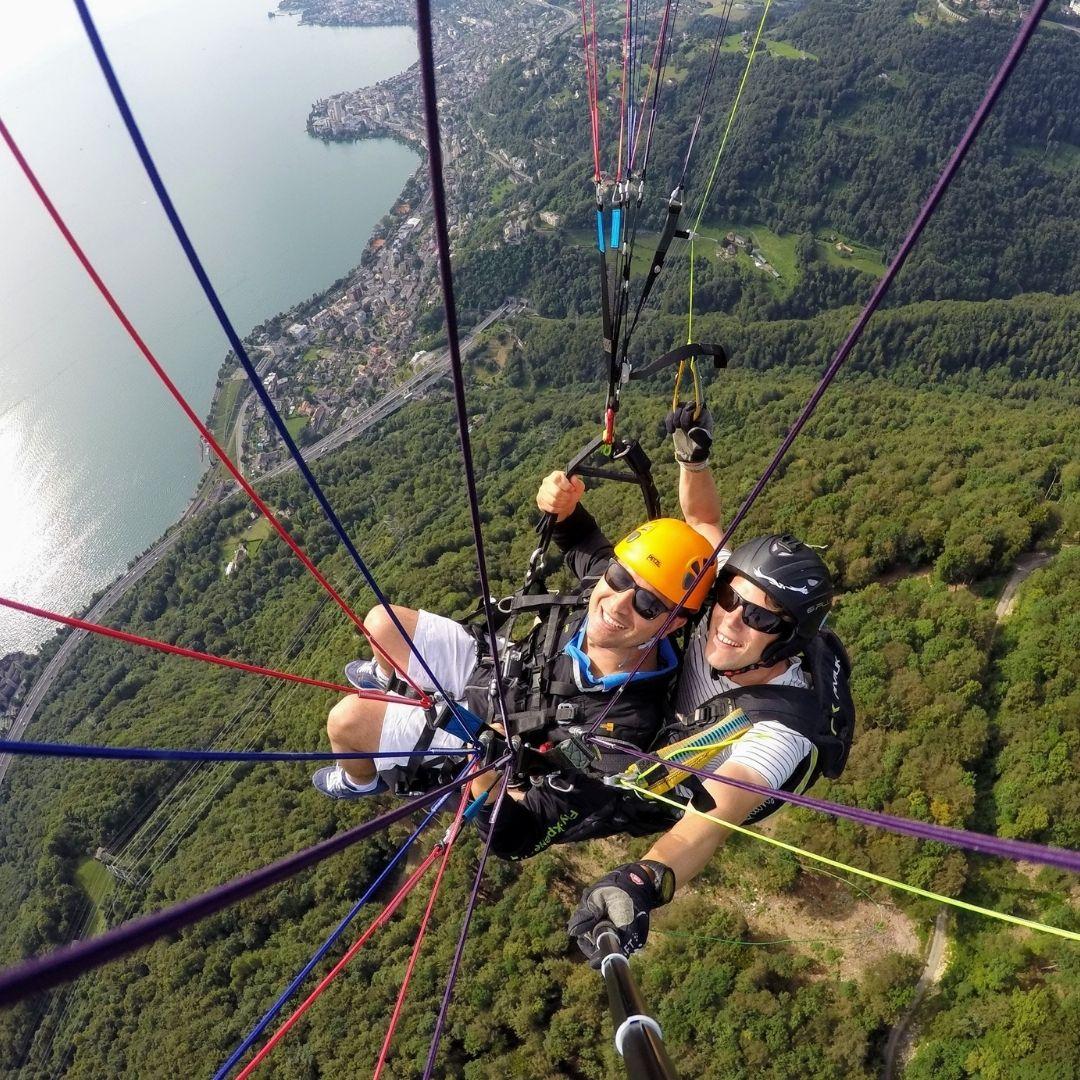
95,459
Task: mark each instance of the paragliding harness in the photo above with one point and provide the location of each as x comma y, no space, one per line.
537,710
823,713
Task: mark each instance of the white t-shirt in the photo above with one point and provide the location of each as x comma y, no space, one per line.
770,748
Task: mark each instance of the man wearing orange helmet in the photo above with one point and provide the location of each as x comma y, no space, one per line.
569,668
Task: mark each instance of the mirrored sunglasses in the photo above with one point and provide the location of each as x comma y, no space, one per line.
753,615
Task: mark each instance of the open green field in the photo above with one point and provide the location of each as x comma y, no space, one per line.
500,191
778,249
225,411
644,247
255,535
1063,158
733,44
296,423
94,880
865,258
252,537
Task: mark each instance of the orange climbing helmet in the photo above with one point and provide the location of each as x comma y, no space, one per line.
667,554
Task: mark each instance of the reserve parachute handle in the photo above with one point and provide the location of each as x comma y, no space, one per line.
638,471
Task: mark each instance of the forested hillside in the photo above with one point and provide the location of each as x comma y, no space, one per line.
949,448
846,140
897,480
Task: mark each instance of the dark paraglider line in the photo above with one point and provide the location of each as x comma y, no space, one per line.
982,113
376,924
61,965
1015,850
239,349
446,279
252,1037
151,753
459,951
858,871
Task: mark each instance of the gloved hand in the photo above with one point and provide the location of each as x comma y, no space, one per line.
692,437
622,900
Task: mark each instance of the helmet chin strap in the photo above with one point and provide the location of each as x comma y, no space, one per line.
727,672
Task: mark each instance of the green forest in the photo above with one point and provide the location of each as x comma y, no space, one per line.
947,450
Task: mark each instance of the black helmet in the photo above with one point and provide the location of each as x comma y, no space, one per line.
794,577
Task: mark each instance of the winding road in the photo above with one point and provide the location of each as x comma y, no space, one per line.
900,1039
932,971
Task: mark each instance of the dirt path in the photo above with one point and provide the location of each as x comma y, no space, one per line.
1024,566
899,1044
900,1040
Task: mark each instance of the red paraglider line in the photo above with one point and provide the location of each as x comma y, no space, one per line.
204,431
449,842
193,654
380,921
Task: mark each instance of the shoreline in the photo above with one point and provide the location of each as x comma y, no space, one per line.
380,239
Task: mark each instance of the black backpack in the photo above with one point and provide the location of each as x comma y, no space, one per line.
824,713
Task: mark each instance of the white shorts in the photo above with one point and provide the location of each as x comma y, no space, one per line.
450,651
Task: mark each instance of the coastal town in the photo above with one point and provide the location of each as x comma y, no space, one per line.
327,359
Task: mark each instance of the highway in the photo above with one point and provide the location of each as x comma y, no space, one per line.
415,386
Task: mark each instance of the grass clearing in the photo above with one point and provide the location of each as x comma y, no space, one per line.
866,259
783,49
97,883
225,410
778,248
499,192
1061,159
253,537
644,246
296,423
258,532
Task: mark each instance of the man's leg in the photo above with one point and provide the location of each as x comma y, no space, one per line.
361,725
355,726
390,642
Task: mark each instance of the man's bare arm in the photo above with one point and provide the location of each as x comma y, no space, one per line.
689,844
700,503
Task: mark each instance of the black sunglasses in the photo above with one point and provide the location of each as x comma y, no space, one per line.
647,604
753,615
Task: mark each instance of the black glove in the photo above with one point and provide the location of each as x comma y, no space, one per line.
621,901
692,435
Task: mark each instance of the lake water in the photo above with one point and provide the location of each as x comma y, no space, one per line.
95,459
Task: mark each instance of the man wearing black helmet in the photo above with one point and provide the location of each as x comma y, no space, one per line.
760,655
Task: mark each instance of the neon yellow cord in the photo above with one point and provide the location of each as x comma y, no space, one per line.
925,893
716,162
680,370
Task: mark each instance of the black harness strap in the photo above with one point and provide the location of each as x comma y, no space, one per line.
690,351
639,472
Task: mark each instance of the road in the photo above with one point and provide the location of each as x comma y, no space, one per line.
932,971
950,15
1024,566
44,682
899,1040
415,386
